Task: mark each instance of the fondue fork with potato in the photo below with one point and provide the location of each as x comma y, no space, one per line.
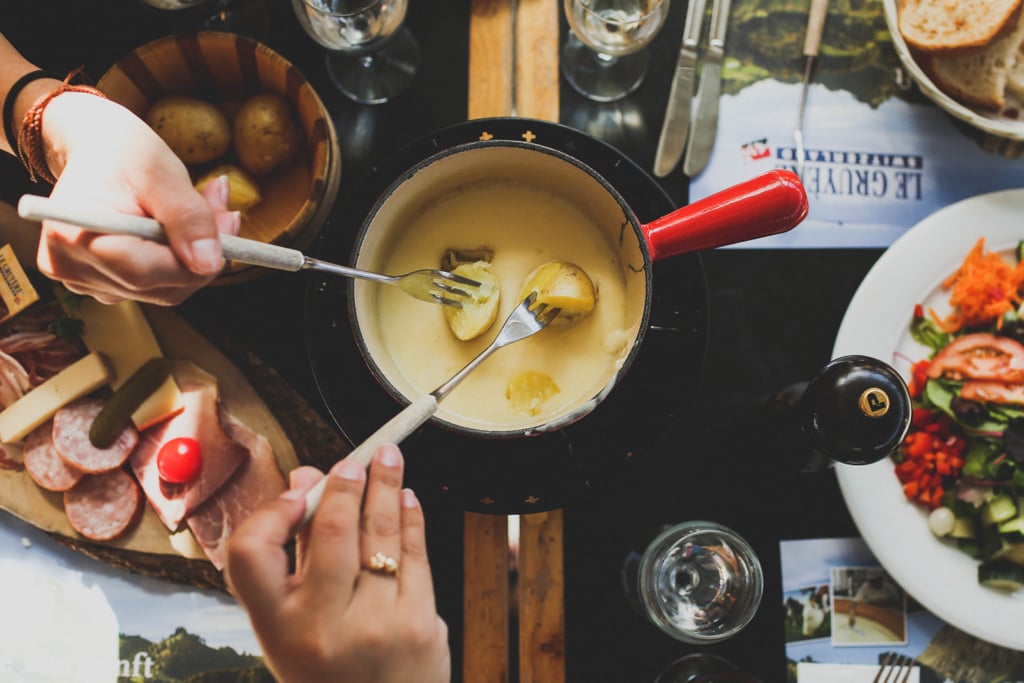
526,320
435,286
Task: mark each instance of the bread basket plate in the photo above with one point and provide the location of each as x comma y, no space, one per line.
877,322
1002,123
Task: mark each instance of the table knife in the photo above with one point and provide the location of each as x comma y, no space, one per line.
812,43
680,97
709,88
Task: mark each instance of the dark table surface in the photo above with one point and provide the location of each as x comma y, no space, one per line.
771,318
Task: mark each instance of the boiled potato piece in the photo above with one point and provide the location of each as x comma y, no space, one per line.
479,311
195,130
265,133
563,285
529,390
244,193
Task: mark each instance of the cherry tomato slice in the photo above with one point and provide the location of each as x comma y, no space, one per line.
980,356
179,460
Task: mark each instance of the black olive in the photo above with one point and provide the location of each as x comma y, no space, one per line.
1013,329
967,412
1014,440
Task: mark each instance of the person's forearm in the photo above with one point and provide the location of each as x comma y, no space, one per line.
12,67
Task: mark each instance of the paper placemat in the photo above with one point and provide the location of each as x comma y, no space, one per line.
820,580
72,618
880,156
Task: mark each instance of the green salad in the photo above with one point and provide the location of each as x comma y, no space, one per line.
963,457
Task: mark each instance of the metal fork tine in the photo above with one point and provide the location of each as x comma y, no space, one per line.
450,289
445,301
458,279
547,316
909,662
896,665
881,670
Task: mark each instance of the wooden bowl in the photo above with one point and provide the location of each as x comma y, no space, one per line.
225,69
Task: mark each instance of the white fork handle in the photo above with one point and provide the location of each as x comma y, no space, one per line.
34,207
393,431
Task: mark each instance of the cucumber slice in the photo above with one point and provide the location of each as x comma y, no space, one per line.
1002,574
1012,530
999,509
963,527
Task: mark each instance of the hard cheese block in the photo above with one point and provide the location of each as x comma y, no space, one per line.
82,377
121,332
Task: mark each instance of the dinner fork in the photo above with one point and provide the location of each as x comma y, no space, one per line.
436,286
896,664
526,320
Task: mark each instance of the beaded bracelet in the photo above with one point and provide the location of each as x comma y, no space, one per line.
12,95
31,150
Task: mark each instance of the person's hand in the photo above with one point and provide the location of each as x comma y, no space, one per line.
334,619
102,154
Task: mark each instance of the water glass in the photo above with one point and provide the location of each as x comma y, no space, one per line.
605,56
699,582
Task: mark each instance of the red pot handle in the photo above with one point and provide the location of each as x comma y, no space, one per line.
766,205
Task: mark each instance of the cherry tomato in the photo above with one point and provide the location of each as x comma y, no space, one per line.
179,460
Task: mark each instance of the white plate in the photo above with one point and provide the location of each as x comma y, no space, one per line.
996,123
911,271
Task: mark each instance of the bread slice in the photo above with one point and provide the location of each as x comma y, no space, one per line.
978,76
952,25
1015,79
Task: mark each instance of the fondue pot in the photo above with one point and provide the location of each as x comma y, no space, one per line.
405,344
664,293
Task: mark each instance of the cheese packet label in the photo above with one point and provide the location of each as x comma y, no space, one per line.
16,292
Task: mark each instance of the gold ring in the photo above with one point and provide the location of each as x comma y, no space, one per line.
382,564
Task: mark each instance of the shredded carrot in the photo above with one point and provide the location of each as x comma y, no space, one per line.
984,288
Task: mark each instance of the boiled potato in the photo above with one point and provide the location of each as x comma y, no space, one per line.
563,285
195,130
265,133
529,390
479,311
244,193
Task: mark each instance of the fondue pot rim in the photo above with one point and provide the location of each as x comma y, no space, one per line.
586,406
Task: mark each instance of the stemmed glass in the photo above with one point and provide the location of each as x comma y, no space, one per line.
698,581
247,17
371,56
604,57
703,667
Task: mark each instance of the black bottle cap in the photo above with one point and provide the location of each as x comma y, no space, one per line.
856,411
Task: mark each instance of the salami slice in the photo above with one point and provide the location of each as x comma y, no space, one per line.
43,463
102,507
71,438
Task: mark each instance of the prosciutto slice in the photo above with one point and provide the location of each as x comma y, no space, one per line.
202,419
257,480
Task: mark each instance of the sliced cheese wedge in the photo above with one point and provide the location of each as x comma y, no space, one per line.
82,377
122,333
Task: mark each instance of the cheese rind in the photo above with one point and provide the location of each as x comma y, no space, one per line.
122,333
79,379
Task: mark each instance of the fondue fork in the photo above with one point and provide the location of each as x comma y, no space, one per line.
435,286
526,320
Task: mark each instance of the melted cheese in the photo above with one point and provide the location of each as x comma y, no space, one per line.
524,226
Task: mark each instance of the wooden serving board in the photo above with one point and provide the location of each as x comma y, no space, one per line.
150,548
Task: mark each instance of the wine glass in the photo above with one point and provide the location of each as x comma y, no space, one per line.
604,57
371,56
172,4
703,667
247,17
699,582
